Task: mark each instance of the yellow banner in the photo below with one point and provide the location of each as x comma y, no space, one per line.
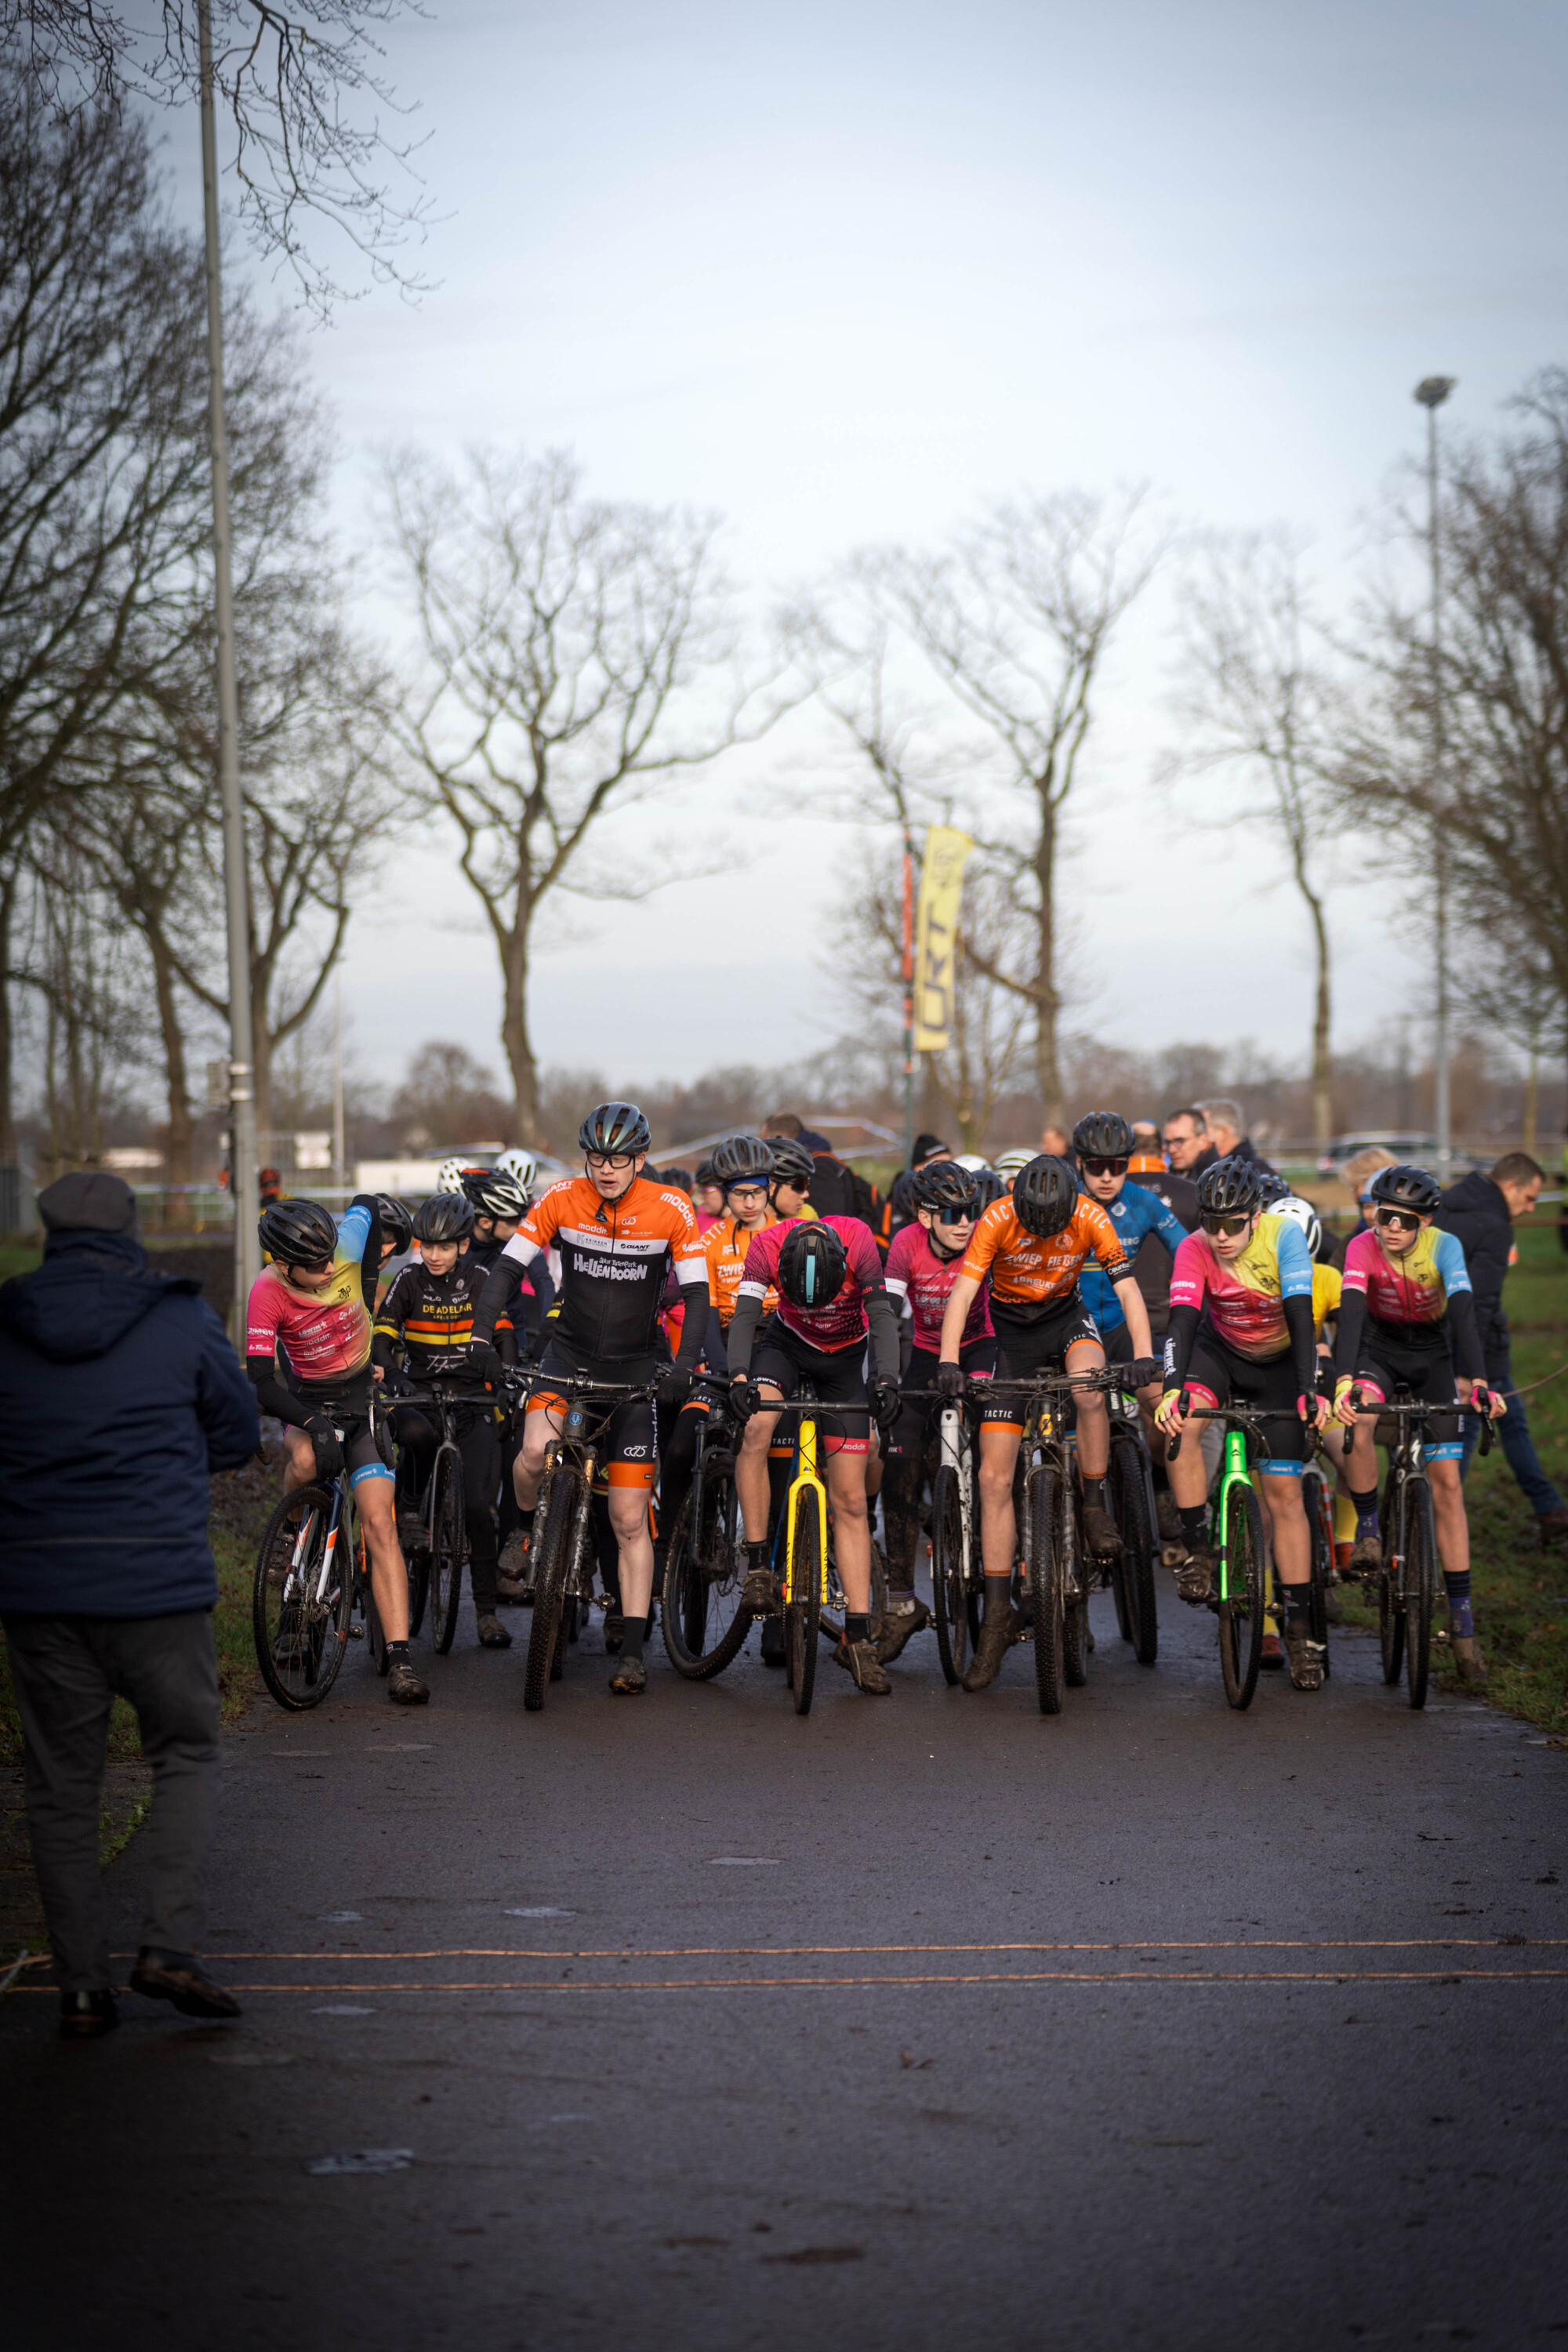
936,935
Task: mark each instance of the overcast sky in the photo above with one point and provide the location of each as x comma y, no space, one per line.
842,271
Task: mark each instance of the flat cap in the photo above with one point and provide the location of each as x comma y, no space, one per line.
86,1203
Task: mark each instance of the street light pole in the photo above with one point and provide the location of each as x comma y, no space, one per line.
909,977
241,1050
1432,392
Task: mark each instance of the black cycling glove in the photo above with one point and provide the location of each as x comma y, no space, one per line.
484,1361
885,1403
323,1437
672,1391
743,1399
950,1380
1142,1370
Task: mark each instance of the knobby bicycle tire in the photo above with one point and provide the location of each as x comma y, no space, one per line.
300,1643
1075,1572
1320,1533
1241,1615
1135,1569
552,1555
949,1573
699,1640
1420,1587
803,1615
1047,1504
1392,1535
448,1546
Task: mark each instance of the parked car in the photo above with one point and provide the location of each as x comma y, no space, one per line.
1421,1149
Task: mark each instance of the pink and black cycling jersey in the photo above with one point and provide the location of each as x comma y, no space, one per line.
842,1322
916,1272
326,1334
1245,1299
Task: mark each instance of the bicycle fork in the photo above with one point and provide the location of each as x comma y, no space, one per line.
807,1492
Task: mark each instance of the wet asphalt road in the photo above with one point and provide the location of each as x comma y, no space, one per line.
917,2021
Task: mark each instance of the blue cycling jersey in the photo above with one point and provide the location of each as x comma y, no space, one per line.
1134,1212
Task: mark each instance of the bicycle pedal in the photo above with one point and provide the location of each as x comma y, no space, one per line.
356,1633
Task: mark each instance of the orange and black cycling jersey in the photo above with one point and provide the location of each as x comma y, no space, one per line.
613,1258
725,1247
1028,1275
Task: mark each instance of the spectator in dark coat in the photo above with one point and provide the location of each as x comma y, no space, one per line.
1227,1123
118,1395
1480,1211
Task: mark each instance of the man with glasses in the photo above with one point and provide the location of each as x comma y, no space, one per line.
1407,1318
618,1234
1242,1330
1187,1145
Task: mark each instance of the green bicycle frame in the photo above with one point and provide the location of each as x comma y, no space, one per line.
1235,1473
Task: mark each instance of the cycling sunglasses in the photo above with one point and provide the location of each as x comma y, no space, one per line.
616,1160
1404,1221
1229,1226
1104,1167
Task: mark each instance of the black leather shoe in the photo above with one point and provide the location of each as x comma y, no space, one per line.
177,1977
87,2016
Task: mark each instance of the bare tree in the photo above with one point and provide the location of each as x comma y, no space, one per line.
307,101
1014,620
1260,704
576,656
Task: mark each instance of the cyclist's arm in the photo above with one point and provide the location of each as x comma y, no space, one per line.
502,1283
1349,1332
271,1393
542,1288
1180,1333
387,1335
882,1317
956,1314
693,1280
1295,1263
1134,1307
1189,1287
743,1329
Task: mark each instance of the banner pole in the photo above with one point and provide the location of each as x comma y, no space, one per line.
909,999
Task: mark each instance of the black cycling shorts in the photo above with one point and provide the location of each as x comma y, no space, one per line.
783,1358
365,1448
1026,1348
1217,1375
1383,1362
906,1440
628,1446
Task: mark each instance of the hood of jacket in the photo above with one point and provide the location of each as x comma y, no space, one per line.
91,1289
1476,1190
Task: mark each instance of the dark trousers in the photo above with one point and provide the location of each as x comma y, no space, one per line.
1517,1446
66,1672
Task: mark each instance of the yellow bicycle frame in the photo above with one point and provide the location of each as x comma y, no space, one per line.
807,1492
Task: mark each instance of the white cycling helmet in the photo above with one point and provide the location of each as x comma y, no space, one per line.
1009,1164
450,1174
520,1165
973,1161
1300,1212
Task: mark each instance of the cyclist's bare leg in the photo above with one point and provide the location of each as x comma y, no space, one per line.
628,1517
874,1466
998,1526
300,1468
1360,1455
375,1501
528,1470
846,1481
1093,1421
752,1468
1448,1511
1292,1537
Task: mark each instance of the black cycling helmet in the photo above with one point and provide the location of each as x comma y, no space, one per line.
680,1178
702,1175
614,1127
812,1265
444,1217
1104,1135
792,1162
396,1225
1045,1195
1406,1187
1271,1188
1230,1188
743,1160
949,1191
472,1183
499,1195
298,1233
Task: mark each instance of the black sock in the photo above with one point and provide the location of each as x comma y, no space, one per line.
1194,1522
998,1595
525,1520
759,1555
1161,1478
1365,1505
1094,1492
396,1650
634,1634
857,1628
1298,1603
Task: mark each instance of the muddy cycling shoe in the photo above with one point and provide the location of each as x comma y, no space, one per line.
772,1642
903,1619
1100,1532
629,1679
1195,1575
493,1634
759,1593
88,2016
1272,1655
403,1688
178,1978
1167,1518
1366,1555
1307,1658
510,1594
1469,1659
411,1532
997,1633
859,1660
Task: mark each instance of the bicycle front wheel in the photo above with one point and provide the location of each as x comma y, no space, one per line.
301,1632
1134,1572
949,1577
1390,1592
1321,1531
448,1546
803,1609
1241,1589
705,1626
551,1561
1049,1506
1420,1588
